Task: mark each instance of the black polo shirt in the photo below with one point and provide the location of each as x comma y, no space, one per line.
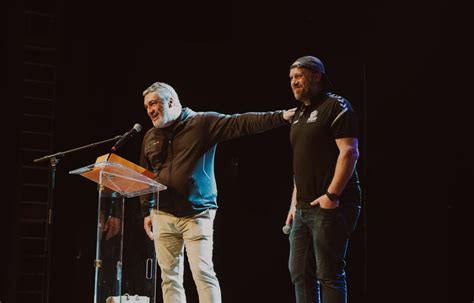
312,136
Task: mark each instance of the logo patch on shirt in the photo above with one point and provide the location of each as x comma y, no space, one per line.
313,116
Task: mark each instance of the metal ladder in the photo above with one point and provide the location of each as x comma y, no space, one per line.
36,128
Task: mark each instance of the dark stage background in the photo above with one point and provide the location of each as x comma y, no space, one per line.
233,57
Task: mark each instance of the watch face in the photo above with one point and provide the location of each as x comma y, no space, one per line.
332,197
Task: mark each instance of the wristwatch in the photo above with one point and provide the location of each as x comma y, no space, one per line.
331,196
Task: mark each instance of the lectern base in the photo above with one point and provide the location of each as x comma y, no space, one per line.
128,299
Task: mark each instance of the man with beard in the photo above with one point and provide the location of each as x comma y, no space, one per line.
326,202
180,149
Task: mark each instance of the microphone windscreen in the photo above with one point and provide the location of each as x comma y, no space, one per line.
137,127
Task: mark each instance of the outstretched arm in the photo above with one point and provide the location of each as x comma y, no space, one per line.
225,127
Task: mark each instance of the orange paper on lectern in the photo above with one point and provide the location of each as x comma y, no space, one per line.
119,174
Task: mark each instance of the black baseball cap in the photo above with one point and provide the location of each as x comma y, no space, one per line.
314,64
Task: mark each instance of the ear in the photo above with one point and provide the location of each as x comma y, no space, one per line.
317,76
170,102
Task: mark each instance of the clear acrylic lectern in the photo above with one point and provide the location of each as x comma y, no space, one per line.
124,270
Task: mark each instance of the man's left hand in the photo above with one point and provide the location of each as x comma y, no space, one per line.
325,202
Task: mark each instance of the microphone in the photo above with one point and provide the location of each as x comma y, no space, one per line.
286,229
125,137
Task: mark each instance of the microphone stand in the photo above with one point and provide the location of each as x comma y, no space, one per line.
54,160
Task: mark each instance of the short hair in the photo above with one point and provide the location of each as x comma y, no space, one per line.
163,90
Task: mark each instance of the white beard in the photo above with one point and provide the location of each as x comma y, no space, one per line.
167,118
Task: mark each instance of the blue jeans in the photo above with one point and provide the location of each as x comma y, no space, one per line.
318,244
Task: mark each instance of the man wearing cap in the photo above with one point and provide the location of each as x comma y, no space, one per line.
180,149
325,203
